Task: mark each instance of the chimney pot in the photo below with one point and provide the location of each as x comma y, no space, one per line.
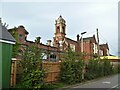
78,36
94,35
49,42
37,39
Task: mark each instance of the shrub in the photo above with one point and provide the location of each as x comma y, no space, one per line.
71,67
32,75
108,68
98,68
116,69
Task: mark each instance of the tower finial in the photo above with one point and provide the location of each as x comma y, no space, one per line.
60,15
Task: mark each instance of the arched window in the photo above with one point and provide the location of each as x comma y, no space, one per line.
63,29
58,29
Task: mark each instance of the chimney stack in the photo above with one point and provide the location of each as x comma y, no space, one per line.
94,35
49,42
37,39
78,36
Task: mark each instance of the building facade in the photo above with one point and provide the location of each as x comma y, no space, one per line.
104,50
60,42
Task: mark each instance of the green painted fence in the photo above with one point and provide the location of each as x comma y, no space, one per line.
5,63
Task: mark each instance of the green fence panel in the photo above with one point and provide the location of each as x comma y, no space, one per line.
6,64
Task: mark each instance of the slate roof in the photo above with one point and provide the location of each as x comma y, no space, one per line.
5,35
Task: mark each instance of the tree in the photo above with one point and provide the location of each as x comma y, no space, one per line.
71,67
33,74
16,46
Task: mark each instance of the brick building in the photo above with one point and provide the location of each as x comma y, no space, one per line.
60,36
60,42
90,47
104,49
22,40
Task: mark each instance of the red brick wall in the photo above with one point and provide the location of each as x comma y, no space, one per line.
21,34
88,49
104,49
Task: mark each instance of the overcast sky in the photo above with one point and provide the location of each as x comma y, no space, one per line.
39,18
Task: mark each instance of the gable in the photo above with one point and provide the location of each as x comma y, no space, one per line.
5,35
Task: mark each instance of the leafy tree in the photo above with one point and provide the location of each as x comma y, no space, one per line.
16,46
90,73
71,67
15,49
33,74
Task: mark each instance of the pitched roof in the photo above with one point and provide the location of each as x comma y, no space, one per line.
16,28
5,35
21,26
41,44
60,19
90,38
104,45
70,40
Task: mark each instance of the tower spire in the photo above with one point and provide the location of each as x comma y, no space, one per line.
60,28
60,15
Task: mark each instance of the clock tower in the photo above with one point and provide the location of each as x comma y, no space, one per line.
60,29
